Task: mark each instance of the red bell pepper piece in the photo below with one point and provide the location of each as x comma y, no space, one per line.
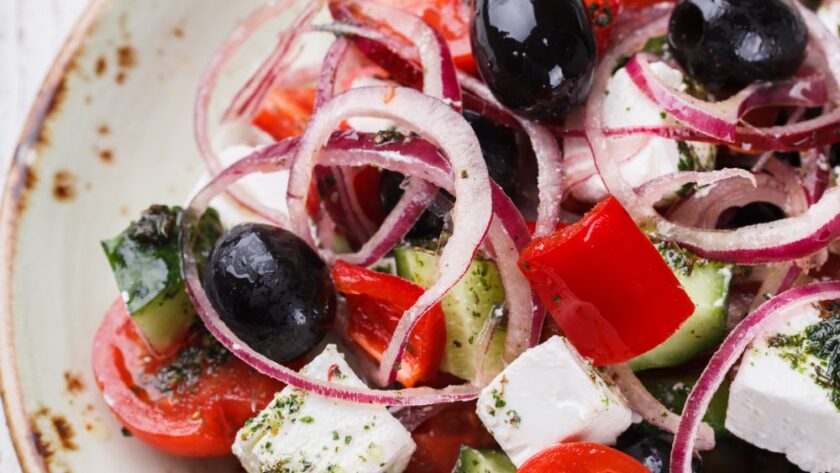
606,285
376,302
286,112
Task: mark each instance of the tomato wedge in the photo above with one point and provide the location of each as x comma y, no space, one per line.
581,457
606,285
439,439
376,302
188,404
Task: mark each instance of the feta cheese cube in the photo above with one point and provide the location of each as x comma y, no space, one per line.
303,432
626,106
551,394
829,13
775,403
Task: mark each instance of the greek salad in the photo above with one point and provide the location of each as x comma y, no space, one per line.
488,236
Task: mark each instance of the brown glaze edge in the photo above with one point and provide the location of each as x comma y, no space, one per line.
10,210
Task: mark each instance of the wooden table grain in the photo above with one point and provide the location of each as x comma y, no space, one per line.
31,33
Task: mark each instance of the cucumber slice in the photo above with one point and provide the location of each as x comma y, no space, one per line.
672,388
466,309
707,284
146,260
483,461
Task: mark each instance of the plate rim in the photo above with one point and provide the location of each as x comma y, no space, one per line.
14,191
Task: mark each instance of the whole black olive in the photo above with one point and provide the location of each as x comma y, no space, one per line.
728,44
537,56
271,289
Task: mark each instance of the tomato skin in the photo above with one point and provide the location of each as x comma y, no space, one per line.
439,439
606,285
376,302
200,421
581,457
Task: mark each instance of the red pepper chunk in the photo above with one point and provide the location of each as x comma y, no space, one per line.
376,302
606,285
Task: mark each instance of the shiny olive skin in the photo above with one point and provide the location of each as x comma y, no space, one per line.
537,56
728,44
271,289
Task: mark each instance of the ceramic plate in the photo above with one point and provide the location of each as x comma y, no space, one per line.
110,133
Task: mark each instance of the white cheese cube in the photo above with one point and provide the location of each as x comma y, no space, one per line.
779,407
626,106
551,394
829,13
302,432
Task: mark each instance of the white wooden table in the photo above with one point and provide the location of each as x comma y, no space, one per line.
31,32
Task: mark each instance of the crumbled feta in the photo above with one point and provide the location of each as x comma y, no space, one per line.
551,394
626,106
775,403
302,432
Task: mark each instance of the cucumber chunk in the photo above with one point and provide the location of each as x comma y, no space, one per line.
707,284
483,461
671,388
466,309
146,260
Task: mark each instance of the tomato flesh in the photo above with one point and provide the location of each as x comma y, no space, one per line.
606,285
190,403
439,439
285,112
581,457
376,302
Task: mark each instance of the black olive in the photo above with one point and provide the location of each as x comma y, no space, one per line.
750,214
654,453
501,153
431,223
271,289
728,44
537,56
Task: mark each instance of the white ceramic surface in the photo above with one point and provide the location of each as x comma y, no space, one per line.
109,134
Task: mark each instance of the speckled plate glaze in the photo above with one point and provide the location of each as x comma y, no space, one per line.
110,133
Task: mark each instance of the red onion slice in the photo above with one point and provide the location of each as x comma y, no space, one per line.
446,129
720,119
782,240
416,199
728,354
550,169
657,189
270,159
650,409
439,79
210,77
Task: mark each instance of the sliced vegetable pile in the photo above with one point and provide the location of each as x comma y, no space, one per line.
523,222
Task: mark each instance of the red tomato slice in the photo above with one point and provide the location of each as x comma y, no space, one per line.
450,17
606,285
376,303
439,439
581,457
190,403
